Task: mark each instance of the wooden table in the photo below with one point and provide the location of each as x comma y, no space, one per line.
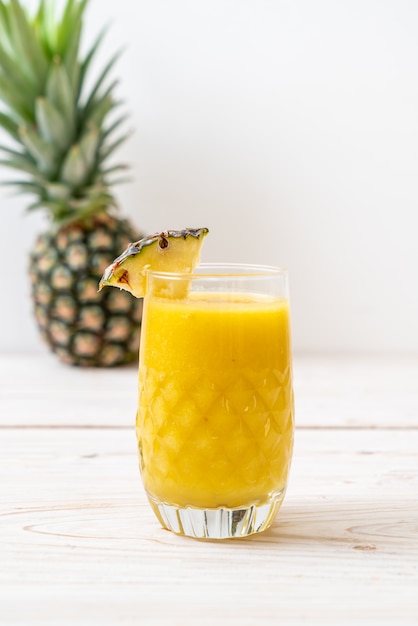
79,544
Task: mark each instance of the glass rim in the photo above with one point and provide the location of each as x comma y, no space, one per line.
225,271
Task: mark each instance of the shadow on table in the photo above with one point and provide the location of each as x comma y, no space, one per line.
365,524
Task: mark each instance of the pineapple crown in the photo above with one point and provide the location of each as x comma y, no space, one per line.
61,136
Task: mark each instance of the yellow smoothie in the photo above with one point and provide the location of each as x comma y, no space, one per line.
215,417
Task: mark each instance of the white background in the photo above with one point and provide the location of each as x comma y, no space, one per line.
290,129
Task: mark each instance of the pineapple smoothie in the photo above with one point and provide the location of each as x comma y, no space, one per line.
215,417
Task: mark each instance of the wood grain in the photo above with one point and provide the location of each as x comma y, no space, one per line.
79,543
331,391
357,391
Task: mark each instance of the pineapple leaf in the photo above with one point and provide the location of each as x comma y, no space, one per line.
56,209
88,147
106,151
100,109
100,82
3,14
57,191
79,209
40,14
59,123
71,22
69,34
60,92
4,26
70,59
91,203
43,25
11,70
120,181
35,205
73,169
28,48
21,161
22,165
9,124
90,55
23,187
121,167
15,153
44,154
51,124
15,99
120,120
96,194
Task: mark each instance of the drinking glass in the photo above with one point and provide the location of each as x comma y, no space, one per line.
215,417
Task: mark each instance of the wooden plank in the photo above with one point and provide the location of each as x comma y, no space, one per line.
366,392
39,390
79,544
357,391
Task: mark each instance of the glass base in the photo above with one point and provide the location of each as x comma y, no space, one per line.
221,523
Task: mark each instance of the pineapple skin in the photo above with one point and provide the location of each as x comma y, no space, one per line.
82,326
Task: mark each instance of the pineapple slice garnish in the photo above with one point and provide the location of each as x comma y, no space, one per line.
170,251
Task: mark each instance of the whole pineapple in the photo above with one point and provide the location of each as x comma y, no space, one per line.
62,137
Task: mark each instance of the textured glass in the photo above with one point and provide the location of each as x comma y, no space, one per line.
215,417
216,523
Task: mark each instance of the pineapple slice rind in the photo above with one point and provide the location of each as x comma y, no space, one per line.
175,251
